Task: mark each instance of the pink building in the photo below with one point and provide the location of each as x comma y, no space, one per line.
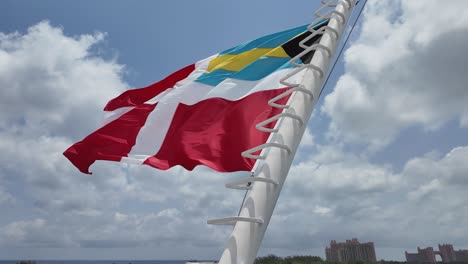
425,255
350,251
446,253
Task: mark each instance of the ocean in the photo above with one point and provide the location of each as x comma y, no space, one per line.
99,261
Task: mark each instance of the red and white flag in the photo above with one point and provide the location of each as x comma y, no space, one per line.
203,114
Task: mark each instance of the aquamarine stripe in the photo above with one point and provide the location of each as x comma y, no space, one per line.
255,71
215,77
270,41
261,67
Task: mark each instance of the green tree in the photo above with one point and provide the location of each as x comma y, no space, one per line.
270,259
26,262
303,260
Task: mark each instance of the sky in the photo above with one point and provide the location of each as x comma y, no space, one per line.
384,158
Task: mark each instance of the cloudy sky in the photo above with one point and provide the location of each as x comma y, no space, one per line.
385,157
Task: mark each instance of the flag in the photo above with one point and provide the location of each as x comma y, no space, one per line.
203,114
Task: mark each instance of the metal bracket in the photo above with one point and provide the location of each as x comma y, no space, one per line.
248,153
261,126
244,184
233,220
300,88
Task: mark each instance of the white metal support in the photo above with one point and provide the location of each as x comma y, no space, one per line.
250,225
246,183
234,219
249,153
261,126
300,88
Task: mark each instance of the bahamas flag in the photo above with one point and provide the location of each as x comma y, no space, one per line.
203,114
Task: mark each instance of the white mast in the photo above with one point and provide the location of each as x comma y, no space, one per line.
255,214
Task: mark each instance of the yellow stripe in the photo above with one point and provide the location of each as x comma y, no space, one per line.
236,62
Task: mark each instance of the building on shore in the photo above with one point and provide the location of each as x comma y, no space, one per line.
350,251
424,255
446,253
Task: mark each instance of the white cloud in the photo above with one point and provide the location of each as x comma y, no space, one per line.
307,139
52,83
405,68
332,169
322,210
433,175
6,197
355,198
19,230
34,233
52,87
424,190
55,85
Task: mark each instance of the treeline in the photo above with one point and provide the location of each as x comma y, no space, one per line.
26,262
272,259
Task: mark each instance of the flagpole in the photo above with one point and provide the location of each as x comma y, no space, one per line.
251,224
